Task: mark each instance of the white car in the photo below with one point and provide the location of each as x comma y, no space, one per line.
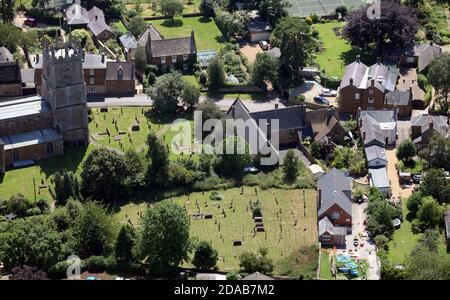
251,170
264,45
328,93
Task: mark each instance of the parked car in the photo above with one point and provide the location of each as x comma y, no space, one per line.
355,242
328,93
251,170
321,100
91,278
264,45
417,178
30,22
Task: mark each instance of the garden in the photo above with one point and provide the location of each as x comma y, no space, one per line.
225,219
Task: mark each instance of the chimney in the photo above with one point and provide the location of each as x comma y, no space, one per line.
83,54
103,58
364,135
431,43
378,60
358,58
372,82
276,105
351,81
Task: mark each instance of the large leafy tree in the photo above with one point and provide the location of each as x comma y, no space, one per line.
164,237
290,166
95,231
135,170
233,164
205,256
435,185
439,76
216,74
103,175
137,26
30,241
406,150
7,10
430,213
27,273
66,186
264,69
190,94
251,262
397,25
171,8
272,10
125,243
380,214
437,154
166,92
294,38
158,169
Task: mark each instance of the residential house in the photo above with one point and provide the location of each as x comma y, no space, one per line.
417,56
330,235
334,199
179,53
258,30
379,179
94,19
129,45
10,76
447,229
372,88
376,156
423,127
101,75
378,127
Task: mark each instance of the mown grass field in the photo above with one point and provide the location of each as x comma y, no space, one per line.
190,6
290,221
207,35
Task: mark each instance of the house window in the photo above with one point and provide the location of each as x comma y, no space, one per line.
326,238
371,100
163,60
335,215
92,90
357,96
91,72
185,57
49,148
370,92
120,74
174,59
91,80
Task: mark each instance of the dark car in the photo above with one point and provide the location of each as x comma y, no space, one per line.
321,100
30,22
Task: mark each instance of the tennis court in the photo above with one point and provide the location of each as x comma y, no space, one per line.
305,8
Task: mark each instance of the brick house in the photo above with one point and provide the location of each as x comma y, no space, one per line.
372,88
330,235
10,76
423,127
101,75
179,53
334,199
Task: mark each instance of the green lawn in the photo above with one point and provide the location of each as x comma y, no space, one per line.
288,224
325,266
207,35
21,180
147,11
242,96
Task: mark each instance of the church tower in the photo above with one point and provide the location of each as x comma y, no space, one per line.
64,88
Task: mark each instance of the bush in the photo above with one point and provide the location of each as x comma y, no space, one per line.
314,18
95,264
59,270
233,276
329,82
308,20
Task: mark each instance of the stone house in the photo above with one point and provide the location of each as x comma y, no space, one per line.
10,76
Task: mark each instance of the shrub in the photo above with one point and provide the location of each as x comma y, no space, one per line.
308,20
95,263
314,18
422,80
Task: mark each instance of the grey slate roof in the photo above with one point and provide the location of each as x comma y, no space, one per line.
439,124
400,98
29,138
257,25
380,115
356,71
325,225
426,53
374,152
99,26
379,177
23,107
77,15
128,41
95,12
112,68
173,47
333,185
257,276
372,130
150,31
5,55
289,117
383,77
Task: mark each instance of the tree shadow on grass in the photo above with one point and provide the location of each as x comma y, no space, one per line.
172,23
221,39
71,160
205,19
367,56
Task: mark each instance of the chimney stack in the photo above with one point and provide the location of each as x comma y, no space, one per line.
358,58
378,60
103,58
372,82
276,105
351,81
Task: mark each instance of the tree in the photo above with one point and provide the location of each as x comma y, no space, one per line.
294,38
430,240
125,243
166,92
347,158
27,273
190,94
102,175
265,68
216,74
18,205
251,262
66,186
205,256
414,202
164,237
290,166
380,214
140,58
137,26
29,241
437,154
231,24
232,164
95,231
171,8
439,76
396,25
84,38
382,242
423,264
7,10
342,10
430,213
135,176
406,150
434,184
272,10
207,8
158,169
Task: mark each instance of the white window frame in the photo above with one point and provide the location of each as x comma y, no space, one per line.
91,80
174,59
371,99
163,60
185,57
335,215
91,72
325,238
357,96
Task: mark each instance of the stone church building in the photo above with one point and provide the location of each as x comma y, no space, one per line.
36,127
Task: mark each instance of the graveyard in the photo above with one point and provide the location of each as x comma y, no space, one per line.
244,219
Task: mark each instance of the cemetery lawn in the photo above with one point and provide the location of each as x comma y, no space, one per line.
147,11
207,35
296,225
124,138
